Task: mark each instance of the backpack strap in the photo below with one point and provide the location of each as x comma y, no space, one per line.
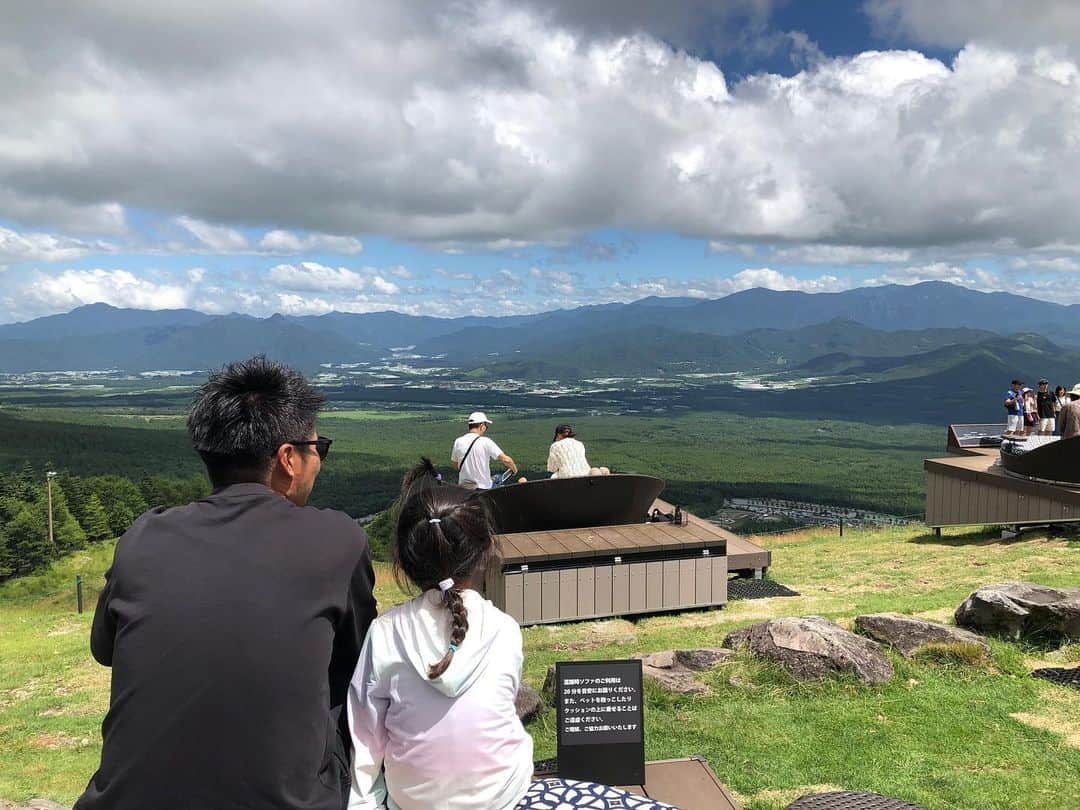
471,446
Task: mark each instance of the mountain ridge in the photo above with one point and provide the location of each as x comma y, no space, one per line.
758,329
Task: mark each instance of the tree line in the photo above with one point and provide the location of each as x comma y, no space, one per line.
85,509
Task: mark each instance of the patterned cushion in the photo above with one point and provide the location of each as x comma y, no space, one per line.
567,794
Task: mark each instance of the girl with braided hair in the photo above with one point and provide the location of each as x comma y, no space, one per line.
431,703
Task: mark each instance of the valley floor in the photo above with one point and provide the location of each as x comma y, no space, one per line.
940,735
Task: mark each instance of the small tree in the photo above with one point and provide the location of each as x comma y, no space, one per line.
77,492
68,535
122,500
95,521
26,482
27,544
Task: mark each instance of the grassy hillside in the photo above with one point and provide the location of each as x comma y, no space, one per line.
942,736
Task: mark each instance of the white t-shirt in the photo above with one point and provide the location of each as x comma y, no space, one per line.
477,467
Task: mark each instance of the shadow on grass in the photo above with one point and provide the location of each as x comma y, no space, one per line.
989,536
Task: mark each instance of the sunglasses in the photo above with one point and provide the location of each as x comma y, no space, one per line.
322,445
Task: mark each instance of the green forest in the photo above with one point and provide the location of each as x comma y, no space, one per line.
83,509
112,464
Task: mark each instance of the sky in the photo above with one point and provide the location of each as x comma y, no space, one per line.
490,157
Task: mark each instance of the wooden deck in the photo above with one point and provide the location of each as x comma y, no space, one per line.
630,569
688,784
744,557
969,490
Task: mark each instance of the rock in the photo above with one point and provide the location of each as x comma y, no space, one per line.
674,669
811,647
659,660
907,634
701,660
528,703
1015,609
676,679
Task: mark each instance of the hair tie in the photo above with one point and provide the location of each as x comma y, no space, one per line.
453,648
446,584
434,520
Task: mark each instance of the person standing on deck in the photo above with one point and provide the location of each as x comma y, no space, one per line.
1014,407
1044,401
1061,399
233,624
1070,415
473,453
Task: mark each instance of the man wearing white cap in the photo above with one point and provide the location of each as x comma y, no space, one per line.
473,453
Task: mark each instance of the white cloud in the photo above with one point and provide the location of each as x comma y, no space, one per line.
718,286
218,238
840,255
72,288
316,277
556,282
1058,264
46,247
975,278
454,275
773,280
1026,24
504,125
384,287
286,242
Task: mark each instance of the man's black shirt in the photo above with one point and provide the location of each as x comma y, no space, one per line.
232,626
1044,400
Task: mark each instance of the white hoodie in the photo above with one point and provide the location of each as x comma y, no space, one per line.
453,743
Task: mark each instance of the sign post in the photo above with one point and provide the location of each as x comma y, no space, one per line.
601,722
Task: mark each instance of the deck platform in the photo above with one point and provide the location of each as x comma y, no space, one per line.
688,784
744,558
971,490
601,546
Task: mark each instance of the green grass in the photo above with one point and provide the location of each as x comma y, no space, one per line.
947,732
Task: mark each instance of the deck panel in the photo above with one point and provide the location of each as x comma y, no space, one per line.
972,490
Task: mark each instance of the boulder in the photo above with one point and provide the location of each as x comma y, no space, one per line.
908,634
674,669
659,660
811,647
1015,609
703,659
675,679
528,703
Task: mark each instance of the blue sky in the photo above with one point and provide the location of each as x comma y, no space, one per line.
516,155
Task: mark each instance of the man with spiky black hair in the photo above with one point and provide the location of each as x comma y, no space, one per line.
232,625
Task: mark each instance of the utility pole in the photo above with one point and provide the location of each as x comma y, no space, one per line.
49,476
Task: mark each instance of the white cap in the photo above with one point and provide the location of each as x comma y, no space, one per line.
477,417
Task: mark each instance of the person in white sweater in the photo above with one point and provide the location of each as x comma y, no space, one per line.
431,703
566,456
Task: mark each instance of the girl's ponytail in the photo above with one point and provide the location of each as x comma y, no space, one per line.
459,626
444,537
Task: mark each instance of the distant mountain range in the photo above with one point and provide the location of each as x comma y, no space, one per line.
878,333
